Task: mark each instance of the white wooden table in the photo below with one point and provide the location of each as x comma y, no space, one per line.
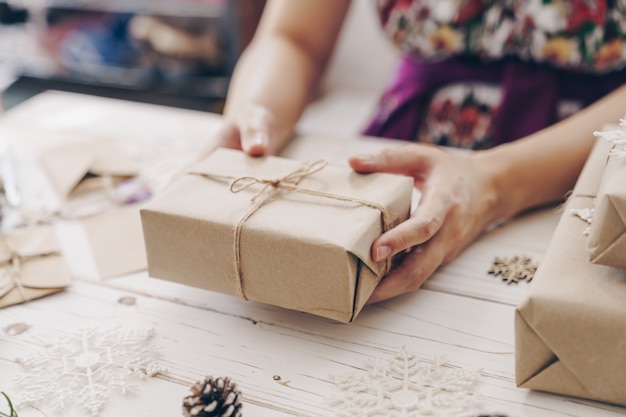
283,361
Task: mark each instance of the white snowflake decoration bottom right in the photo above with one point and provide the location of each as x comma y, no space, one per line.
407,386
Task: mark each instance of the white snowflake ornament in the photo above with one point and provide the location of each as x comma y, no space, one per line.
585,214
617,138
407,386
86,367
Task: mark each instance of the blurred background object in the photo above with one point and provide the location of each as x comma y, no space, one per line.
173,52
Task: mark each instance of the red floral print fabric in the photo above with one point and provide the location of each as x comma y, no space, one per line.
579,36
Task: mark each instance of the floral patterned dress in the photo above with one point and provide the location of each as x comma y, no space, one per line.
476,73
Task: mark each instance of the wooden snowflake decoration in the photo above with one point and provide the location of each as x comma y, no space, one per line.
514,270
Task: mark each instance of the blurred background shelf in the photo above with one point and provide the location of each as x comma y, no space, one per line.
179,53
192,8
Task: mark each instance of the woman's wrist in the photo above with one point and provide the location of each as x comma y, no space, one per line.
531,172
501,185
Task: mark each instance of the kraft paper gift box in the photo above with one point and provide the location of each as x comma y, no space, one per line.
570,332
606,243
76,168
87,175
303,245
31,266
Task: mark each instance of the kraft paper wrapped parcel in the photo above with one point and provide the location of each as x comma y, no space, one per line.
570,332
31,265
606,243
275,230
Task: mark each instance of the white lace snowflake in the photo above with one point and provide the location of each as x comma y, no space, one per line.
87,367
585,214
407,386
617,138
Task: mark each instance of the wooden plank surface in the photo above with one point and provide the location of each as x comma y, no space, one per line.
282,360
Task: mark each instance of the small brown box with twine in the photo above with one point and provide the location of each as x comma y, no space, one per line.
31,265
275,230
569,331
606,243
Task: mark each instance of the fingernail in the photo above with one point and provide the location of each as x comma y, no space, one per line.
382,252
256,139
367,159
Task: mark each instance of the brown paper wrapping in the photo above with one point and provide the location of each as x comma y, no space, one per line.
31,266
570,332
606,243
68,166
116,241
298,251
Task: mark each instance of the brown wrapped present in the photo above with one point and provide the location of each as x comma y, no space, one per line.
31,266
76,168
606,243
275,230
570,332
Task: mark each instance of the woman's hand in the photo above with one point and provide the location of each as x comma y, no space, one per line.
458,202
251,130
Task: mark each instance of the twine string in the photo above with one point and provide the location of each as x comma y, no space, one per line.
12,272
289,183
12,266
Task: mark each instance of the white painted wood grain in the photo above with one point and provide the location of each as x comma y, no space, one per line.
464,313
214,334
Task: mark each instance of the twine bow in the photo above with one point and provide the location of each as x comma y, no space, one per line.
289,183
11,276
12,270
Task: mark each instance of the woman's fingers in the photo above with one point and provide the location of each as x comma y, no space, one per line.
252,132
419,264
401,160
438,200
455,206
414,231
257,131
228,136
425,221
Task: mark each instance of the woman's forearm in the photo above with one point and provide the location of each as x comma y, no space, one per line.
544,166
277,76
282,66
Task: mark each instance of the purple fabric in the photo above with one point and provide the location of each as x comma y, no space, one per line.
529,101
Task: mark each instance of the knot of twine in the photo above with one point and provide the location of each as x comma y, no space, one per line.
11,276
78,208
12,272
290,183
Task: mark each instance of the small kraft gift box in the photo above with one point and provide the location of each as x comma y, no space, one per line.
606,243
275,230
570,332
31,265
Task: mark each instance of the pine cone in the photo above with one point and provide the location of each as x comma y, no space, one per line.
213,397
